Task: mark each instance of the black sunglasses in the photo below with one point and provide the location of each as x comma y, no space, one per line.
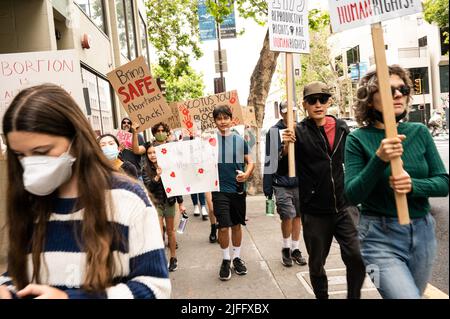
403,89
312,99
126,122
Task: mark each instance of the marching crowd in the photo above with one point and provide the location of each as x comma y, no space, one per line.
88,217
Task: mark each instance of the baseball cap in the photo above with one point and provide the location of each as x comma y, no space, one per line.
283,107
316,87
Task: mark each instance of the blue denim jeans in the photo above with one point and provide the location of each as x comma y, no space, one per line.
398,258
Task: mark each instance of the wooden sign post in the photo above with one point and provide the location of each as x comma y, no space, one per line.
390,125
290,112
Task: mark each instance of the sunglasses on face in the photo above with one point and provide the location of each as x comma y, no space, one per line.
403,89
126,122
312,99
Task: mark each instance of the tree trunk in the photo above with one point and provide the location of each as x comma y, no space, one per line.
259,90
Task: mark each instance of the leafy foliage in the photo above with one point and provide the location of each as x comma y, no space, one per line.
436,11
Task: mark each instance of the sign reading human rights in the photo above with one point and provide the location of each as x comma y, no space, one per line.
288,26
189,167
22,70
197,114
347,14
139,94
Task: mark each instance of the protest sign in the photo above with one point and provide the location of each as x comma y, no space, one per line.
288,26
125,138
22,70
197,113
347,14
249,116
174,120
189,167
139,94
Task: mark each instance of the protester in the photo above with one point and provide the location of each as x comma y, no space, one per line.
165,206
319,149
399,257
110,147
229,204
69,215
276,180
132,155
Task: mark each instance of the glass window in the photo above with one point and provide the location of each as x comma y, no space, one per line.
144,39
126,30
100,100
94,10
421,73
353,55
443,78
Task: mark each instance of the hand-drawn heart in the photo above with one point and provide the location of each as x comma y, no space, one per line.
168,190
215,184
172,174
164,151
200,170
232,100
212,141
188,188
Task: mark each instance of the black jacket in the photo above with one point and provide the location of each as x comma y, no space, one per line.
156,188
320,171
275,166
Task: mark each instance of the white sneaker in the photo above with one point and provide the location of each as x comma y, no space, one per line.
196,211
204,213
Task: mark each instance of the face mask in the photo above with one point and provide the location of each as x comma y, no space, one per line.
161,136
111,152
42,175
379,116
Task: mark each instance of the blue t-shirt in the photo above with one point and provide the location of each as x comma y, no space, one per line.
232,149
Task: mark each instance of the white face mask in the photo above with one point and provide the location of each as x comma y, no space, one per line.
42,175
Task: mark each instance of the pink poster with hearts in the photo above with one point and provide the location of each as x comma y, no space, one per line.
189,167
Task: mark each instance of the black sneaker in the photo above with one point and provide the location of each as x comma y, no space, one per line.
213,235
225,271
173,265
239,266
298,258
286,259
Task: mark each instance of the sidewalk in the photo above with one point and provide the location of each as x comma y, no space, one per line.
199,261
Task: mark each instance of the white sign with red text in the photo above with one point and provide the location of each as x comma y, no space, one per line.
189,167
22,70
348,14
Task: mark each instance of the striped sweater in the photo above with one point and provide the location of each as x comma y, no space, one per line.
140,262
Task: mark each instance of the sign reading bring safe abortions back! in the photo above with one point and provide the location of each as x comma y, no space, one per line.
139,94
189,167
288,26
21,70
347,14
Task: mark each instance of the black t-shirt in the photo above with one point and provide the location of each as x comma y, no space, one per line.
128,155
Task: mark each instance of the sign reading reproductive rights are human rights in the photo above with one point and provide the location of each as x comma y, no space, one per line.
348,14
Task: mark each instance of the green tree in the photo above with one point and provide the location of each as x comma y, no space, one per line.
173,31
436,11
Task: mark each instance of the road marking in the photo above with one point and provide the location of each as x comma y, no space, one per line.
431,292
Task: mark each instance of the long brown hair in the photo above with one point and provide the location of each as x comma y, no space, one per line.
368,86
48,109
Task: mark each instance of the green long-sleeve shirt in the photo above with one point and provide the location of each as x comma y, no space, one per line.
367,176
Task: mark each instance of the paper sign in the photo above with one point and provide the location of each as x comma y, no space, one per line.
347,14
174,120
125,138
197,114
189,167
249,116
288,26
22,70
139,94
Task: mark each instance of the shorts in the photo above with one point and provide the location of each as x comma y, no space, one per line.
165,210
229,208
288,201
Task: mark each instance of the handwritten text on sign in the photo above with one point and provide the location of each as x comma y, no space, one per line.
197,114
21,70
189,167
347,14
288,26
139,94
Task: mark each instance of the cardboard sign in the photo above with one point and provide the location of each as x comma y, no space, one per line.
174,120
189,167
347,14
249,116
139,94
125,138
288,26
197,114
22,70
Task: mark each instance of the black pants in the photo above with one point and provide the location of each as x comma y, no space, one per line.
318,232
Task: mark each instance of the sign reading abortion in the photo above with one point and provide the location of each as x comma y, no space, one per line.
347,14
